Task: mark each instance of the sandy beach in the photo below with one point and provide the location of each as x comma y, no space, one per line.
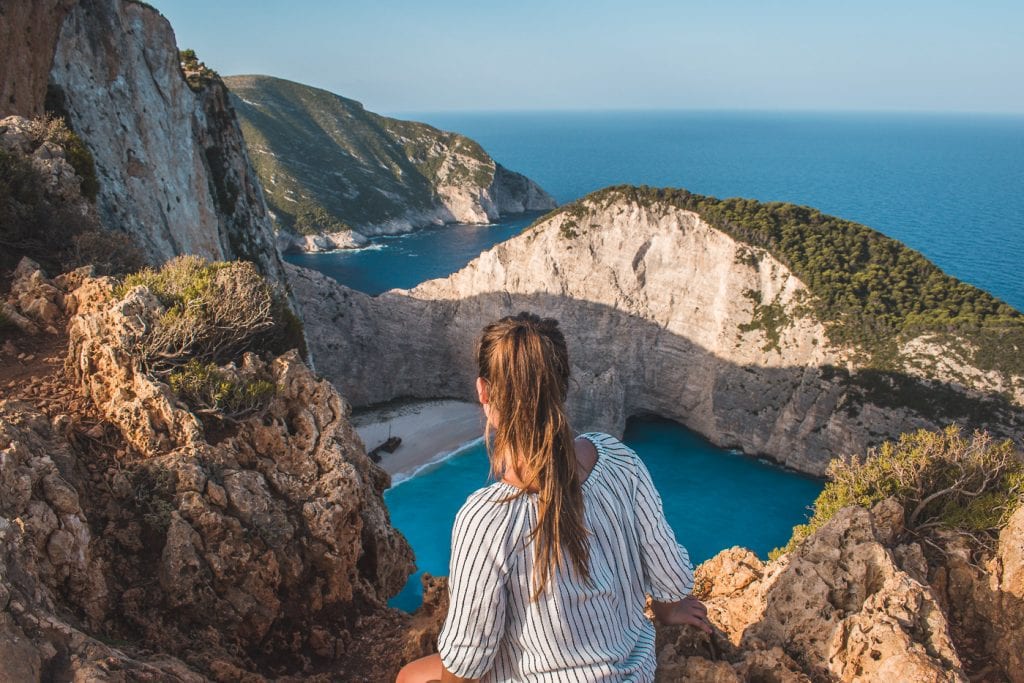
428,430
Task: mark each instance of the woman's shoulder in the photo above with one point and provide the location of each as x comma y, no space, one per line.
495,500
490,513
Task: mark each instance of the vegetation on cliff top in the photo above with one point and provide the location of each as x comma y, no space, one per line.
195,72
870,291
213,312
209,389
943,480
326,163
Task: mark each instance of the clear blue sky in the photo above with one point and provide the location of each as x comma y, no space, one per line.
441,55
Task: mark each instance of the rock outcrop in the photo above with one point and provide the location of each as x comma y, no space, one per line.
266,547
20,136
53,565
34,302
329,166
171,163
664,313
985,601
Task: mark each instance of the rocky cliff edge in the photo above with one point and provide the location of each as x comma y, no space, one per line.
140,543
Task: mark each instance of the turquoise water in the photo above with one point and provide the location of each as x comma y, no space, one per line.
714,499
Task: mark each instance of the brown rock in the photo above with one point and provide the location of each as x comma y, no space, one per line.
28,32
695,670
425,626
986,605
770,666
840,606
19,658
887,516
276,533
21,322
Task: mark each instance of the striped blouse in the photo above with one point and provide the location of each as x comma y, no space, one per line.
574,631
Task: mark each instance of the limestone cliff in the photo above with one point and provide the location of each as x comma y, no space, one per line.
171,162
328,166
665,314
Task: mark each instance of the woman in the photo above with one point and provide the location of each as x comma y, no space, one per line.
550,565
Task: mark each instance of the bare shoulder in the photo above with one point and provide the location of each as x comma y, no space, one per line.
586,455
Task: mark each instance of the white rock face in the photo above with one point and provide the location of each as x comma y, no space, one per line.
171,162
329,241
660,311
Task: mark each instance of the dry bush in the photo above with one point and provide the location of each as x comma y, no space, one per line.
111,253
214,311
944,480
210,390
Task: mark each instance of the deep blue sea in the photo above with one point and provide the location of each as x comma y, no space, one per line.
951,187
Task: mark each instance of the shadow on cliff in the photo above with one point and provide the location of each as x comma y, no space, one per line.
377,349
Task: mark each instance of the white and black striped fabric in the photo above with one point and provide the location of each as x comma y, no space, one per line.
574,631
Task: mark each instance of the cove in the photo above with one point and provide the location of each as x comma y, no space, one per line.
713,498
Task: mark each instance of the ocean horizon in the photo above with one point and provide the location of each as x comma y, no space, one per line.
945,184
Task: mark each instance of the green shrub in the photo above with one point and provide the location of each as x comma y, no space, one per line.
312,219
770,318
208,389
213,312
32,223
943,480
153,489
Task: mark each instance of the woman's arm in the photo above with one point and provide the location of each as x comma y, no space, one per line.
667,570
429,669
478,570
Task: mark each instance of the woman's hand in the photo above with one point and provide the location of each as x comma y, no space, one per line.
689,610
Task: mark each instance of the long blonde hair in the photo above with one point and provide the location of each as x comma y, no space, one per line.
525,363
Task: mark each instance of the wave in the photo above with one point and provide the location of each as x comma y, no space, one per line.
435,461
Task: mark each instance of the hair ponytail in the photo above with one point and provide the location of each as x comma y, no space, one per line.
525,363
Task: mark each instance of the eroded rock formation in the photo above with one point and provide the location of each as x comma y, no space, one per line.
664,313
266,547
986,600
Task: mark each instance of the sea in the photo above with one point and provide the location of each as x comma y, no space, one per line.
950,186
